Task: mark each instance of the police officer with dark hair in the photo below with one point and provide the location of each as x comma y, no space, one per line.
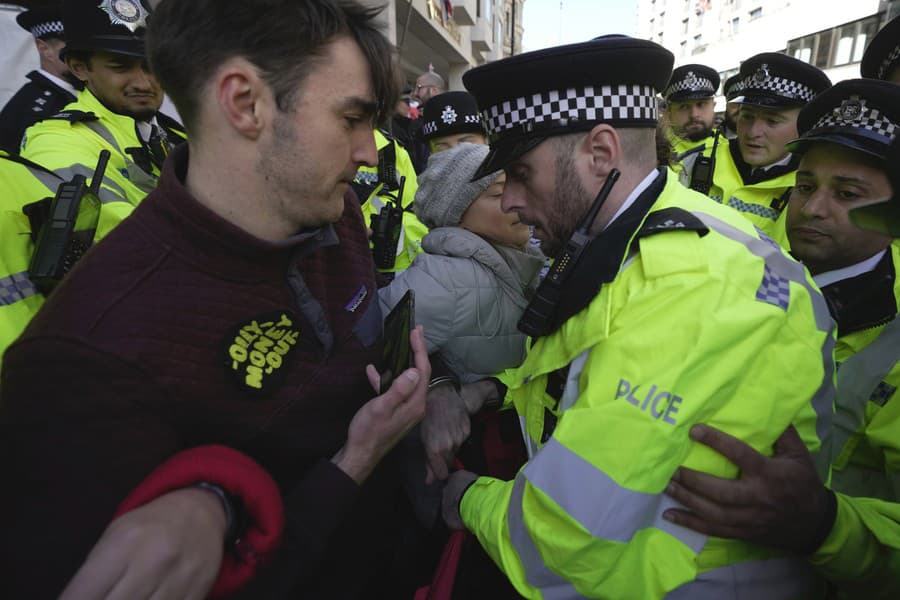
118,109
754,172
50,87
450,119
730,89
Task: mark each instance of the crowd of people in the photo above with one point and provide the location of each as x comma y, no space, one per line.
656,353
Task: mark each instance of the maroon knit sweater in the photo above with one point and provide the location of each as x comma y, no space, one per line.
147,349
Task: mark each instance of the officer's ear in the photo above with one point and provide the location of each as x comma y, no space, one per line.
244,98
79,64
603,146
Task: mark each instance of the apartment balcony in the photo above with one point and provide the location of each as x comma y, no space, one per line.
465,12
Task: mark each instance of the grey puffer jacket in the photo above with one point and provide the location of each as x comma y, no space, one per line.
469,297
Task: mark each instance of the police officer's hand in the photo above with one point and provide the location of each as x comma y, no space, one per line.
777,501
384,420
454,490
169,548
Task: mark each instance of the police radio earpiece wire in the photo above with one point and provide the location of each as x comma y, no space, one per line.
537,320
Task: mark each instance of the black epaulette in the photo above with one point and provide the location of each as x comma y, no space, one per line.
671,219
686,153
73,116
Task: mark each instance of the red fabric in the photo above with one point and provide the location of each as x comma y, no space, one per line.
441,587
238,475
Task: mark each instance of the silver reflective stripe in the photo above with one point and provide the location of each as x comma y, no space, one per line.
604,508
772,579
780,265
16,288
530,446
858,377
537,574
115,193
572,390
50,180
141,179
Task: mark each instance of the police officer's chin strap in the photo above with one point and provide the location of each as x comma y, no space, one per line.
538,316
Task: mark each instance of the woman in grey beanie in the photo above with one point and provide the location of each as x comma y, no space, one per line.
477,271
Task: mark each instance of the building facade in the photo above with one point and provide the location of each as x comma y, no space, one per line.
451,36
830,34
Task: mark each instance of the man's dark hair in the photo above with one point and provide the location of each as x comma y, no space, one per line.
188,41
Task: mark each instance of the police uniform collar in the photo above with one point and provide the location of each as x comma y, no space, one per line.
864,301
526,98
751,176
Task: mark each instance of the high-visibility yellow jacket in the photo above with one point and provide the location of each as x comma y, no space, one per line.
368,183
23,182
692,328
862,553
20,184
758,195
681,146
70,143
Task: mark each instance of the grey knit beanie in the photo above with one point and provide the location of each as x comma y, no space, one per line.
445,190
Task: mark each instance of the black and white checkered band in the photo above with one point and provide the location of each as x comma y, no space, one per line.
629,103
854,113
691,84
888,62
42,29
736,88
786,88
429,127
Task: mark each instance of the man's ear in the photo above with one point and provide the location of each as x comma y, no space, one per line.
245,99
79,68
604,149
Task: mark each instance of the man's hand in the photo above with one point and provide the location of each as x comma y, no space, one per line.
456,486
383,421
777,501
445,427
169,548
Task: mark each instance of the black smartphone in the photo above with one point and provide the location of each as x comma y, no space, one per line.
397,356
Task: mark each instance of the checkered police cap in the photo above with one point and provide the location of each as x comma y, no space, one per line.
883,52
555,108
779,81
863,114
732,87
450,113
42,21
526,98
691,82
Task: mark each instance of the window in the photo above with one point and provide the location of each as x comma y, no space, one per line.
478,8
698,39
687,5
735,25
684,48
659,38
487,9
684,27
755,13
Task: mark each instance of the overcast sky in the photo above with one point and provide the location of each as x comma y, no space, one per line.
554,22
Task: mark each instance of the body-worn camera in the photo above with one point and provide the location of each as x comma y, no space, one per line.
387,226
65,231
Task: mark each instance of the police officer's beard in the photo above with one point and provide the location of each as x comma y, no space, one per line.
697,135
568,206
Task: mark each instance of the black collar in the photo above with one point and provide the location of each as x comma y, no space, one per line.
603,257
864,301
748,176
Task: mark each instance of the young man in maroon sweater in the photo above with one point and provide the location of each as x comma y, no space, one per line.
236,307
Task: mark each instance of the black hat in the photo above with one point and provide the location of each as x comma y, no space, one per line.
42,22
527,98
116,26
691,82
732,87
451,113
883,52
773,80
862,114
